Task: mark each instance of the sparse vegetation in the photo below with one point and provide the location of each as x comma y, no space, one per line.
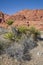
22,29
16,44
33,31
10,22
9,36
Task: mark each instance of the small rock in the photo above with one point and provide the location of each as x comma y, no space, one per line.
0,57
40,53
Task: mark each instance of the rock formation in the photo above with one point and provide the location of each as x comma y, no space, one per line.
1,17
28,18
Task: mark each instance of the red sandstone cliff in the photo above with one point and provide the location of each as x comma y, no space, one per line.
28,18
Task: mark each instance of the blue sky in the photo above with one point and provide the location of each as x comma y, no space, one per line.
13,6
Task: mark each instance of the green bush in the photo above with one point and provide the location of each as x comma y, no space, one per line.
10,22
22,29
9,36
33,31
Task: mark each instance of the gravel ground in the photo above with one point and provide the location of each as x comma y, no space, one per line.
36,53
36,58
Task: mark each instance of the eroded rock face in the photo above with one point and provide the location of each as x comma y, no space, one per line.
27,18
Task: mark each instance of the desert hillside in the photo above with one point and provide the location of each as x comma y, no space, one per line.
27,18
21,44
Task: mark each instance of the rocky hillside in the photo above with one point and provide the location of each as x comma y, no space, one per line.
28,18
21,45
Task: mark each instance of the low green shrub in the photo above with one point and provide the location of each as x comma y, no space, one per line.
9,35
33,31
22,29
10,22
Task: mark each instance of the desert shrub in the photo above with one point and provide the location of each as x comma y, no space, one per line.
35,32
10,22
9,35
22,29
32,30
